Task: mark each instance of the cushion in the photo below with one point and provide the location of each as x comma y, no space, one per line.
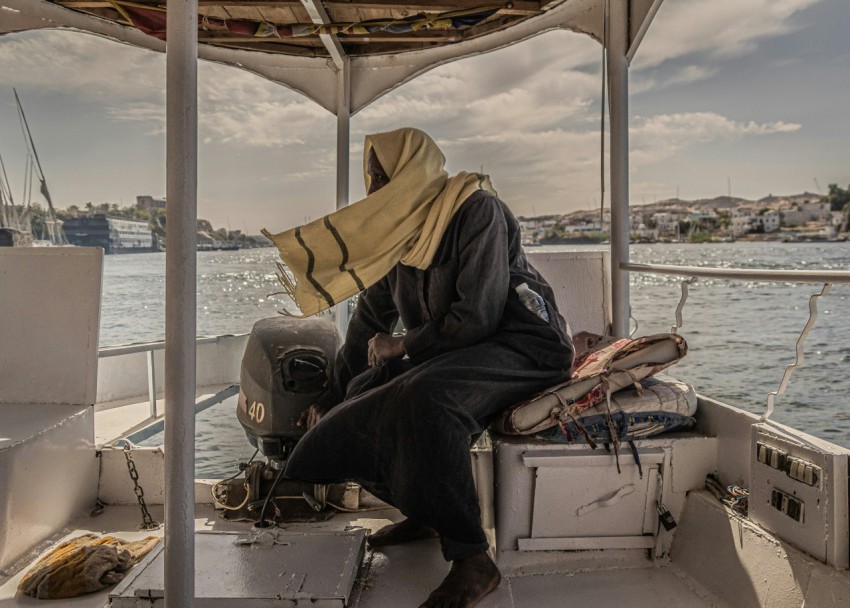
597,374
663,404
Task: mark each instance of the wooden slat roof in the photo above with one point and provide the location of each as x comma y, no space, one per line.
288,13
309,60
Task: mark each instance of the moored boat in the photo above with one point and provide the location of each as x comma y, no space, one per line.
11,237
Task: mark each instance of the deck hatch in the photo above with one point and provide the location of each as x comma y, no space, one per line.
581,501
315,568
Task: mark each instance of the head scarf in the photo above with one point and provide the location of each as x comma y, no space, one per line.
343,253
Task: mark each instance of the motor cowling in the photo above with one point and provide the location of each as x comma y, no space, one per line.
286,366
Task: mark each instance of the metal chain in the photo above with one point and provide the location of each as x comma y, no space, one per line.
148,522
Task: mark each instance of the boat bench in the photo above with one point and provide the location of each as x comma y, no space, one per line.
545,503
50,307
550,498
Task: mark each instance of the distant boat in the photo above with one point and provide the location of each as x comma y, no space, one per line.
228,246
12,237
114,235
14,227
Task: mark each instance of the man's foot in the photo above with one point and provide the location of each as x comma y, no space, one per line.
466,584
401,532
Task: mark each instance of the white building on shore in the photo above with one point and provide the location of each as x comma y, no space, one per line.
800,213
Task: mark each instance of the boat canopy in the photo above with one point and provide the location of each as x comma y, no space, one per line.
381,44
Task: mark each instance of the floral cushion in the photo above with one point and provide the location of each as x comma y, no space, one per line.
597,375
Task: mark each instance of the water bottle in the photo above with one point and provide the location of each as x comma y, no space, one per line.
533,301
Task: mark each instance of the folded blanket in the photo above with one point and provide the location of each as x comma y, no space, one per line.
82,565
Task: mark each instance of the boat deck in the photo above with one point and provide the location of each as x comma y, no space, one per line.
404,575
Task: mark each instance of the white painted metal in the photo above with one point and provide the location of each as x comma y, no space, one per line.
582,289
641,14
41,288
343,146
152,383
48,472
634,588
732,427
745,274
800,351
583,543
746,566
181,299
343,133
319,16
123,370
684,460
48,370
482,474
581,494
618,79
823,532
404,576
116,487
294,569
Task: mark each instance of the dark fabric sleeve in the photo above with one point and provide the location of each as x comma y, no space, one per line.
375,313
482,284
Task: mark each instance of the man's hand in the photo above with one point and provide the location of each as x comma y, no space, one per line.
310,416
383,348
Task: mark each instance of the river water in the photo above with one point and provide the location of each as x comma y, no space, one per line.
741,334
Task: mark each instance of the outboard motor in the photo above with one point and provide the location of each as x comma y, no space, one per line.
286,366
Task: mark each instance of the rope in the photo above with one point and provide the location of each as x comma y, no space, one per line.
246,485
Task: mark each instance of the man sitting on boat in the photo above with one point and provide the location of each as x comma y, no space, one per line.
483,332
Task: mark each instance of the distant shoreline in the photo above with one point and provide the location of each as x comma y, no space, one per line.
747,239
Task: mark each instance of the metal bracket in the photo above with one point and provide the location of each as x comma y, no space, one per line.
813,315
682,300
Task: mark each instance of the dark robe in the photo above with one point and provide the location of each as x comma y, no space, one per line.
403,429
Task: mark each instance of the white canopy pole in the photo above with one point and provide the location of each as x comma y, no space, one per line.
618,74
343,138
343,132
180,300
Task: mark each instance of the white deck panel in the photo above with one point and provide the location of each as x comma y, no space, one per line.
405,575
318,568
635,588
397,577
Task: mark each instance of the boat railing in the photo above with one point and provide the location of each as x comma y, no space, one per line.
745,274
150,350
826,278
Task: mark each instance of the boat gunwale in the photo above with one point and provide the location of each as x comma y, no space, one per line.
747,274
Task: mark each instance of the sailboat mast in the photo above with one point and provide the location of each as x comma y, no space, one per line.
10,212
57,236
5,221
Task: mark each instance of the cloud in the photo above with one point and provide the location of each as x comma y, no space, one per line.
720,29
235,107
89,66
528,113
659,137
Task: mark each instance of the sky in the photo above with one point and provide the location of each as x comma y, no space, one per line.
747,96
